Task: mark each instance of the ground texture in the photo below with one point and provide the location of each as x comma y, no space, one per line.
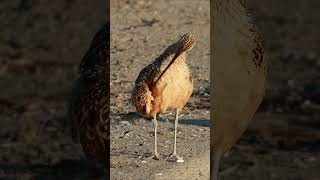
140,32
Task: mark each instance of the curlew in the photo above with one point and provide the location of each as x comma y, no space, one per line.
165,85
89,104
238,75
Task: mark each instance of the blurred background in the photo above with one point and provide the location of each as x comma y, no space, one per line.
283,141
41,45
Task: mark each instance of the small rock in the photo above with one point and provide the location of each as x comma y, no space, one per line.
312,159
180,161
291,83
125,123
163,133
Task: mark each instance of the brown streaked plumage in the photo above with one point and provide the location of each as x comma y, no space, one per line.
165,85
89,105
238,75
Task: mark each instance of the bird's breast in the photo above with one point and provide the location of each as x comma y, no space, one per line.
173,89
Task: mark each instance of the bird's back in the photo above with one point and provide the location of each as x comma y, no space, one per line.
89,105
164,88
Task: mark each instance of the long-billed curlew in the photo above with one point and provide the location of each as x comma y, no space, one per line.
165,85
89,105
238,75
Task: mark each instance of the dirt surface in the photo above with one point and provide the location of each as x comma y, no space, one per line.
140,32
41,45
283,143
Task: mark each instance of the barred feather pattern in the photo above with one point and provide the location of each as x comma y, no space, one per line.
89,109
142,94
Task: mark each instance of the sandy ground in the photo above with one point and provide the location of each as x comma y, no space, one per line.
140,32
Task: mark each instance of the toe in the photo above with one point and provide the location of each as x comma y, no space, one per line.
172,155
179,159
175,157
156,157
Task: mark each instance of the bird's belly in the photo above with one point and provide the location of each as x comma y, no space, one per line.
237,96
175,93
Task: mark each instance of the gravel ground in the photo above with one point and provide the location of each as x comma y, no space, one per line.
140,32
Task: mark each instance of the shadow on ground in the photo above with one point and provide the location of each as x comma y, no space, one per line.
132,116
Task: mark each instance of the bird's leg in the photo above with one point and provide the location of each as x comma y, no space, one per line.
216,163
174,153
155,125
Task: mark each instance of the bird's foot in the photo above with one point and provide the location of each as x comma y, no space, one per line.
156,156
174,157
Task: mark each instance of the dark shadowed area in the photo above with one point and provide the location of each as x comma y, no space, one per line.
283,142
41,45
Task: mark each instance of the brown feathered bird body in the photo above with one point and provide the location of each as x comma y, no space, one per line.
166,84
89,106
238,74
153,94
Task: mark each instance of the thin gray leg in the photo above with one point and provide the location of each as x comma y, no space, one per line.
174,153
155,125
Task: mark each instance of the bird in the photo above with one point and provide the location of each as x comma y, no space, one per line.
239,70
165,85
89,107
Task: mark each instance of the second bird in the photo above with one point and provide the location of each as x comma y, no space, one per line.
165,85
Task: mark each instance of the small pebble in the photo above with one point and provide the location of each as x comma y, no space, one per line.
125,123
180,161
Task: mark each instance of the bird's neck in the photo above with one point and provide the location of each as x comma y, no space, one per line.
231,29
230,21
170,53
229,12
